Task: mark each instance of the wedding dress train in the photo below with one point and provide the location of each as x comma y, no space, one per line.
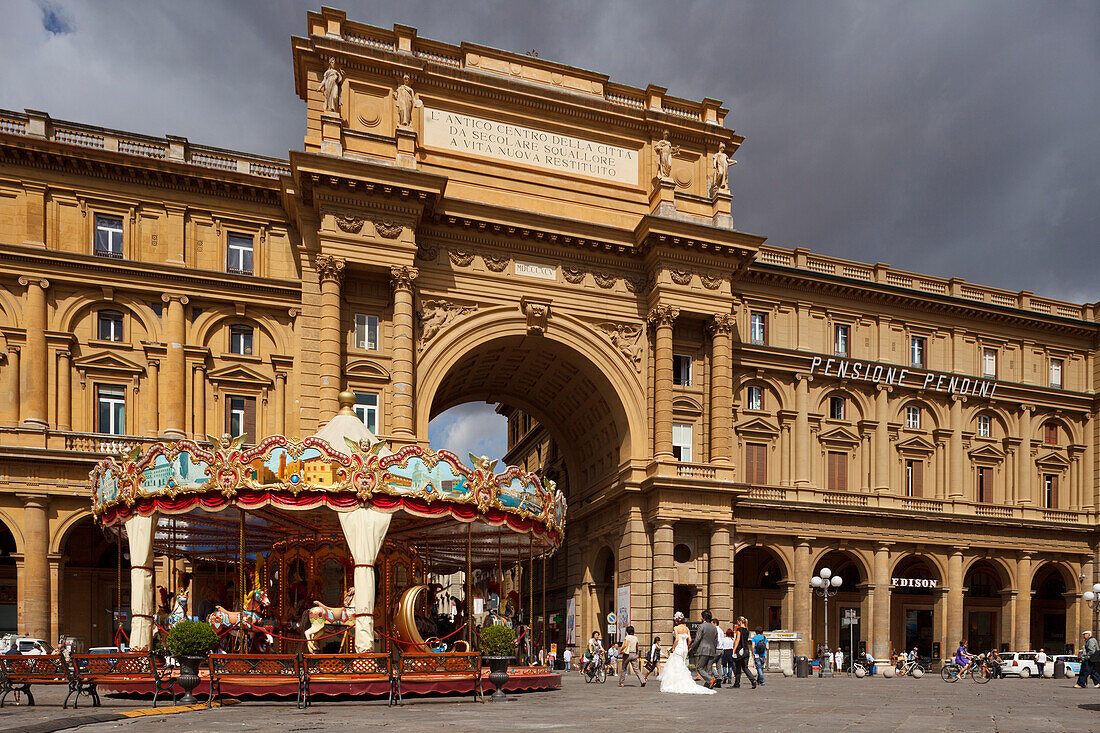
676,677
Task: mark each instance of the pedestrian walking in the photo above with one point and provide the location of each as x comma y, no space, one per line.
759,654
741,652
629,655
1090,658
612,657
567,658
1041,662
653,659
725,648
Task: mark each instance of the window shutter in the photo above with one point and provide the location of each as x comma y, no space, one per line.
918,478
228,414
250,419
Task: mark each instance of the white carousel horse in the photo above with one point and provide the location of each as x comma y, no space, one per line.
179,608
320,616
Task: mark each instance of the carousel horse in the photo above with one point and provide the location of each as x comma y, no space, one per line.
179,608
320,616
246,622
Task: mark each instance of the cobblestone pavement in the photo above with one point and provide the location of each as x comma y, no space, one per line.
845,703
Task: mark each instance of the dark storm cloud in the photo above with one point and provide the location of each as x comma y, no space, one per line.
952,138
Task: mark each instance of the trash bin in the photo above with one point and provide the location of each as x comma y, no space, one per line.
1059,669
801,667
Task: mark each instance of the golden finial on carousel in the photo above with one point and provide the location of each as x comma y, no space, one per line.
347,402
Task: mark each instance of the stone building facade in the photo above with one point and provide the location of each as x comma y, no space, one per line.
464,224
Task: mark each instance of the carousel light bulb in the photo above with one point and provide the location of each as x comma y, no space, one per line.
837,580
1089,596
815,582
826,573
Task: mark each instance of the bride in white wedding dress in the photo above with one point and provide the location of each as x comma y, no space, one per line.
676,677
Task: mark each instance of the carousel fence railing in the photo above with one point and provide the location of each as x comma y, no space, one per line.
249,669
92,670
18,673
432,667
347,669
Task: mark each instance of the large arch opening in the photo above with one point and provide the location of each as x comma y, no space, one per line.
760,587
983,601
1049,601
915,583
9,582
90,585
845,608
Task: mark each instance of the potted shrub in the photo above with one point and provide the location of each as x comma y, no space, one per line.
190,642
498,648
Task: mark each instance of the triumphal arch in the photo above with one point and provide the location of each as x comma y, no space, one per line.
726,417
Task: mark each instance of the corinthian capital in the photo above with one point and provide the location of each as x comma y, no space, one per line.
663,315
401,277
722,323
331,268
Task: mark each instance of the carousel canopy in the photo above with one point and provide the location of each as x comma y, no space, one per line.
289,488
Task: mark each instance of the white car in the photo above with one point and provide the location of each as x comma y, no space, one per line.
1023,664
25,644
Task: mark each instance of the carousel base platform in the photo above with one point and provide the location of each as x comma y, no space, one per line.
520,679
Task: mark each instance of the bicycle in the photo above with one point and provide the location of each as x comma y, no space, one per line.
595,669
979,670
909,667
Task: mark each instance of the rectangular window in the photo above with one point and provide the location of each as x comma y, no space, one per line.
756,463
756,398
240,416
1050,433
108,236
366,332
240,340
1056,373
985,426
914,478
989,362
838,471
916,352
912,417
681,370
836,407
109,326
110,409
681,441
239,256
840,341
366,409
985,485
1050,490
758,328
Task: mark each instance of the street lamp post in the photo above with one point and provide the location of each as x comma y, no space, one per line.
825,584
1092,597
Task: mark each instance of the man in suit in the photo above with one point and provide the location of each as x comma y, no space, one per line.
704,647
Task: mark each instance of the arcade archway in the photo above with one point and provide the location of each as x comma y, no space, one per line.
916,607
984,617
9,582
846,604
90,587
1050,599
760,588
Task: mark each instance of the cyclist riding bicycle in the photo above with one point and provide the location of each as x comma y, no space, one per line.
963,658
594,654
913,655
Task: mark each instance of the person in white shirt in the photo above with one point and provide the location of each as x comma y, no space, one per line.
1041,662
567,658
725,653
838,660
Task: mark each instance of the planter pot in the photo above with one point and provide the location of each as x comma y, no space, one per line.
498,675
189,677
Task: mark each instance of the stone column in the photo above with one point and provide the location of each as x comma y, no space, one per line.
280,403
721,399
57,568
331,270
1023,602
32,386
173,392
661,318
1024,465
880,623
785,454
64,391
198,402
661,614
36,567
12,392
401,279
151,403
802,434
803,598
882,439
958,457
954,597
720,576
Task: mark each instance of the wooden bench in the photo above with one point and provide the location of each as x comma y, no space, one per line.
250,669
346,669
92,670
418,667
18,673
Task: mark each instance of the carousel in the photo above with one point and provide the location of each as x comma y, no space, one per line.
337,541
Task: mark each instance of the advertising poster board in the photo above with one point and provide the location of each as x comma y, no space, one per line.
622,609
571,622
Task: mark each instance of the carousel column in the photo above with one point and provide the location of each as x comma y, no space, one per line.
1023,602
662,610
880,622
721,409
721,591
64,391
661,318
401,279
139,533
32,387
35,573
803,598
174,389
331,270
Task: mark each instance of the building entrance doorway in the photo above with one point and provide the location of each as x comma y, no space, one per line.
914,599
918,630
